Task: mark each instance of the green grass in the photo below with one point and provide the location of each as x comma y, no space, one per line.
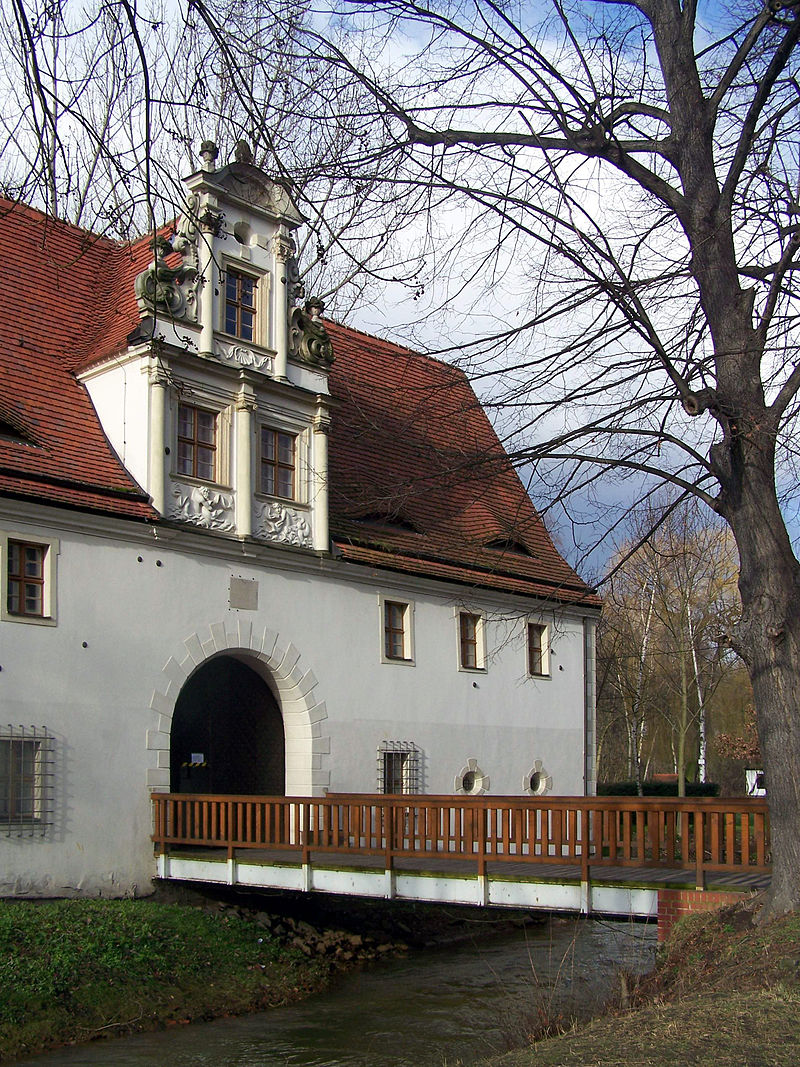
73,970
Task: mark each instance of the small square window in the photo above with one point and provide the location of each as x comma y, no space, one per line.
197,443
240,304
278,463
538,652
470,642
28,579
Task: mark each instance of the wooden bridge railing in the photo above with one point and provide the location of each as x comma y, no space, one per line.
691,834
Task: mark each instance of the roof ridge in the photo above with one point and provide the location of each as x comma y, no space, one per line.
400,347
8,206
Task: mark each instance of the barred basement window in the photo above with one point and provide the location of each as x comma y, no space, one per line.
399,768
26,780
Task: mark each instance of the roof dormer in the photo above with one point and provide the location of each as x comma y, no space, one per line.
234,383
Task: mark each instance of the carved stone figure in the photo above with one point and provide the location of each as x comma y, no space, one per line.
169,290
308,338
243,153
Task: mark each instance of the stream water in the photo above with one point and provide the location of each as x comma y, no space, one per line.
435,1007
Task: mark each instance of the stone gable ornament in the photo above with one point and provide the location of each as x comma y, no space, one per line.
169,290
242,153
308,339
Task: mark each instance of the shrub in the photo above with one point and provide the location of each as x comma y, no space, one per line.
657,789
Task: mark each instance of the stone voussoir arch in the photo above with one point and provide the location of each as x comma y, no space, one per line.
304,713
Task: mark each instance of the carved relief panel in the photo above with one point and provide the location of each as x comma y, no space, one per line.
201,506
276,522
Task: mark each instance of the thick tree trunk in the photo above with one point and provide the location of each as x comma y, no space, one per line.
768,639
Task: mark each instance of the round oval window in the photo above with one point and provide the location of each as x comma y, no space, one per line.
468,782
536,782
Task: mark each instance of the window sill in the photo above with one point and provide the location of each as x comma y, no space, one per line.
31,620
189,479
258,349
287,501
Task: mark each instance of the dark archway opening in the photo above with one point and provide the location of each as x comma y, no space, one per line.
227,733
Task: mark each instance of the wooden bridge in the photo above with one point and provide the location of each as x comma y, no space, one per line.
608,855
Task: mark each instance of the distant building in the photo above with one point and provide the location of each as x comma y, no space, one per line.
245,550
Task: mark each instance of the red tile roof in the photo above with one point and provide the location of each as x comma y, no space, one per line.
419,481
57,283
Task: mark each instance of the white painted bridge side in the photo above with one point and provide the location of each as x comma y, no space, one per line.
416,885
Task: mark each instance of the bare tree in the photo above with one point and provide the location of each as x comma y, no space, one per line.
104,110
626,699
651,157
669,659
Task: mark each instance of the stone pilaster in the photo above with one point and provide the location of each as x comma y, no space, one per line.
245,409
283,250
321,426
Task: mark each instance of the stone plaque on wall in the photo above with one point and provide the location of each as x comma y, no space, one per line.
243,594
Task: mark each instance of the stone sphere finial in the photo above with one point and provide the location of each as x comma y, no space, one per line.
208,153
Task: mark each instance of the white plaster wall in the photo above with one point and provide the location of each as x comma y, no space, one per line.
104,679
306,377
120,396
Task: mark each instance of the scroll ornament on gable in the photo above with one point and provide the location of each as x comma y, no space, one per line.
308,339
172,289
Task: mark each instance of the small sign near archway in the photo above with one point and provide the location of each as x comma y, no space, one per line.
227,716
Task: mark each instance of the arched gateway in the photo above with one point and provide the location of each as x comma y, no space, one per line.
234,691
227,733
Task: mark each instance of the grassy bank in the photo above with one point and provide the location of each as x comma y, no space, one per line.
724,994
74,970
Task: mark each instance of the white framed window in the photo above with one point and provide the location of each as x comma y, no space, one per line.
278,467
197,443
471,641
200,438
399,767
397,630
244,299
26,763
538,650
241,293
28,578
